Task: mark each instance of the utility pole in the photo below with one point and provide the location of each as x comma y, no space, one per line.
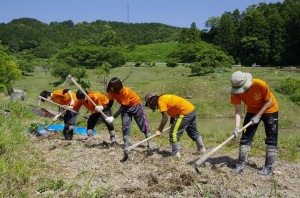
128,11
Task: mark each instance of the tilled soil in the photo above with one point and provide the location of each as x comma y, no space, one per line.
89,169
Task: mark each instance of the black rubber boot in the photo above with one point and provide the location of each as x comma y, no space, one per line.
271,155
69,135
65,133
243,159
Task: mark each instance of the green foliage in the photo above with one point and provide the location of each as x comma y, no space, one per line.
291,88
91,56
138,63
172,62
189,36
201,68
79,73
16,161
209,60
157,52
9,69
84,83
50,184
61,71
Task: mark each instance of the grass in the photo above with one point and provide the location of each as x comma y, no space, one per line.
210,95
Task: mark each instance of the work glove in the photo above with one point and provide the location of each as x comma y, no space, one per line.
157,133
56,117
236,132
110,119
99,108
255,120
71,103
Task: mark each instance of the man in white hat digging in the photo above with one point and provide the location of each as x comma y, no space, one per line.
261,105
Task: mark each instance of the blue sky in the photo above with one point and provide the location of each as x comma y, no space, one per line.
180,13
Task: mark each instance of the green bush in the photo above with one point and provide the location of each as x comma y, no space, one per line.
138,64
295,98
288,86
171,63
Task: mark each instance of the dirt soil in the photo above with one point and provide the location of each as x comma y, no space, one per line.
95,168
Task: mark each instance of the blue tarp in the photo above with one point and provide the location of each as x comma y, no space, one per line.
60,127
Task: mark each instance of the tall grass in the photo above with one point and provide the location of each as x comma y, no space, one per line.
17,158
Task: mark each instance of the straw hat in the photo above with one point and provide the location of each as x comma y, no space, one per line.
240,82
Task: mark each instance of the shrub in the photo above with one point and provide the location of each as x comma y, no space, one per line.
288,86
171,63
138,64
291,88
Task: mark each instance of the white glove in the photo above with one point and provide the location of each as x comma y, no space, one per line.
236,132
56,117
255,120
71,103
110,119
99,108
157,132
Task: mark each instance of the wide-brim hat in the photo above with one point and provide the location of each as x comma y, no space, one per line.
147,97
240,82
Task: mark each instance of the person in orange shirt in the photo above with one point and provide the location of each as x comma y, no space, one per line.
183,118
102,105
63,97
261,105
131,106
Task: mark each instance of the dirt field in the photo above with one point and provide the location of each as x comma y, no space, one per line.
95,168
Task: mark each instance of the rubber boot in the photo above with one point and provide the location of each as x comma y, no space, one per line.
271,155
200,145
243,159
65,133
89,136
150,143
126,142
112,137
175,147
69,134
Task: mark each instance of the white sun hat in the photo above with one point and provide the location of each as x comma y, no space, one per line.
240,82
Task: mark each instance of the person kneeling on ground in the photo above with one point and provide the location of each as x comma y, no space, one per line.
102,105
183,118
63,97
261,105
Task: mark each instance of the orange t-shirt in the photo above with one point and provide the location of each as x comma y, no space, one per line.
63,99
126,97
255,97
98,98
174,105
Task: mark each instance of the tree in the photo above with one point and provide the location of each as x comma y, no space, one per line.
61,71
209,60
9,69
104,71
226,34
189,36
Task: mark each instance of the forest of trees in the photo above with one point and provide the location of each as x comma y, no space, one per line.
266,34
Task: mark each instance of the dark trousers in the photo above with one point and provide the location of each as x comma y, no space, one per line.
70,117
183,123
96,116
138,113
271,129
